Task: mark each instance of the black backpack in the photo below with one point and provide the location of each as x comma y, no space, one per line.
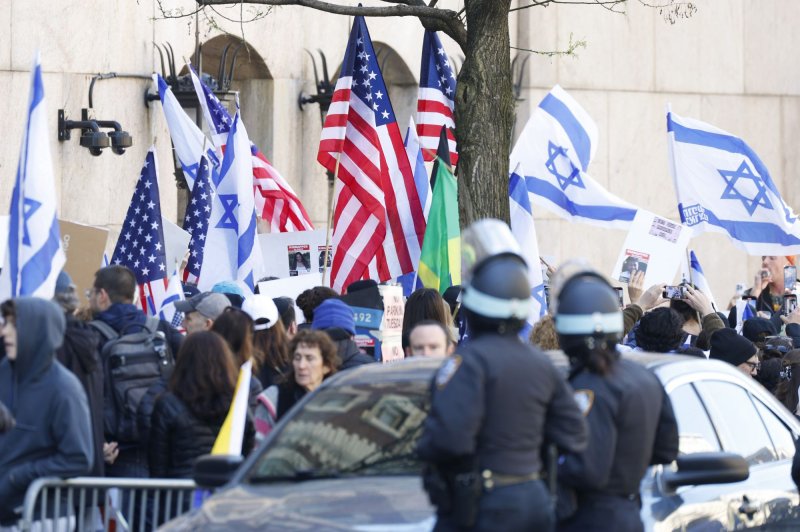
132,362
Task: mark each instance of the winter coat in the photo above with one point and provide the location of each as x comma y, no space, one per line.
80,355
178,438
53,434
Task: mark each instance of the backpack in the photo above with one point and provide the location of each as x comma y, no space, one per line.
132,362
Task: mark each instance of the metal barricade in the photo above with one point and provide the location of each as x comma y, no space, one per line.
89,504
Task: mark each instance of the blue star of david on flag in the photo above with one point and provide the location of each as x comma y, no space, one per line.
731,192
228,219
29,208
557,158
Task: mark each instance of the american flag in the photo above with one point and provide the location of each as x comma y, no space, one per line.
378,222
141,242
196,221
436,97
276,202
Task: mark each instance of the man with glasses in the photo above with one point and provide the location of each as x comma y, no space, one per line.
736,350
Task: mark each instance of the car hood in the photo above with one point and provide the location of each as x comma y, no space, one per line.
369,504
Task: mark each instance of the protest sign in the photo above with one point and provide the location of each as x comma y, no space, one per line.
84,246
654,245
293,254
391,346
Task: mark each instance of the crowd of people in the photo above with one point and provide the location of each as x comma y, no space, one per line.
105,390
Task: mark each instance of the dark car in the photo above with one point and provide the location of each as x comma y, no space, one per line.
344,459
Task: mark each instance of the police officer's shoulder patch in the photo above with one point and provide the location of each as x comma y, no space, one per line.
585,400
447,370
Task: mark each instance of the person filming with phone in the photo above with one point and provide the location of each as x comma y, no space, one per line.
775,279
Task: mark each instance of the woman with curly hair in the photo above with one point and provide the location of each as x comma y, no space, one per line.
188,416
314,359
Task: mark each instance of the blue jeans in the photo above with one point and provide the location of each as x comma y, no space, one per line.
521,507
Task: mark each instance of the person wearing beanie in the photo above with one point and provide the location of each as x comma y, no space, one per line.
335,318
757,329
660,331
310,299
728,346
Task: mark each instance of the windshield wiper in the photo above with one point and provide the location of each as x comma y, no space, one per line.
298,476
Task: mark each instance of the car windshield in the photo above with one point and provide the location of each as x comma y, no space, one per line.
358,429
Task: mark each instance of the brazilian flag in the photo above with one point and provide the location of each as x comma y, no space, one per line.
440,258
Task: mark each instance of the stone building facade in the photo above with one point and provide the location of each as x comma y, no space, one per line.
730,64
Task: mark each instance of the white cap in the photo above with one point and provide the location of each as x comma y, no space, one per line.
262,309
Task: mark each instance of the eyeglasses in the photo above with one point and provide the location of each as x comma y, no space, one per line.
754,366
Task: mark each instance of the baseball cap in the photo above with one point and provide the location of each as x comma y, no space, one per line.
209,304
262,310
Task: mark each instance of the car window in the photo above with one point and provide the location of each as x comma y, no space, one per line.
781,436
696,432
738,424
363,429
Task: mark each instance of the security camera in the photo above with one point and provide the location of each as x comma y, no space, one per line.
95,141
119,141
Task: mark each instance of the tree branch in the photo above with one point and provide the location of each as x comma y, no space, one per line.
432,18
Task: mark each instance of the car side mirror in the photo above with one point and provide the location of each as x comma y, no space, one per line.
706,468
215,470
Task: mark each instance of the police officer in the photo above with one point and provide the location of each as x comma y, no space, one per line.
495,401
630,417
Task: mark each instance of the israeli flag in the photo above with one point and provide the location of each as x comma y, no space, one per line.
35,256
167,311
694,271
723,186
524,231
415,159
189,141
232,251
554,152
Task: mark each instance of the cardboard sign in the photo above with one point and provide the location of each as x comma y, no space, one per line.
654,245
293,254
391,345
84,246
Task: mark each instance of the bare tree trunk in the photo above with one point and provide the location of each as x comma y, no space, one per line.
484,113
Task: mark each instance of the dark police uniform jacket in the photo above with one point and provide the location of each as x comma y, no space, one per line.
499,399
631,426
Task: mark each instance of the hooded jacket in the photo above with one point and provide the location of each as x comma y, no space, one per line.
52,435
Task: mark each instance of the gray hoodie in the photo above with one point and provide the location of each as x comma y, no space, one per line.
52,435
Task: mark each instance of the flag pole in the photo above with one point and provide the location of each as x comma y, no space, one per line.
329,229
689,265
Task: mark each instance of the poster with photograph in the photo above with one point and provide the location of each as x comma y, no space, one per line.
635,261
299,259
655,246
322,255
291,254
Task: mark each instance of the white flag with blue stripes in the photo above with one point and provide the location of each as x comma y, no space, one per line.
189,141
417,162
523,229
35,256
554,152
694,271
232,251
723,186
167,310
